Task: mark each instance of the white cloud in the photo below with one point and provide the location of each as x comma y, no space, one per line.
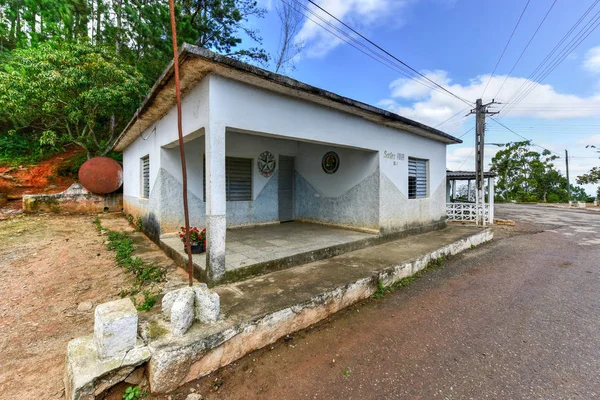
411,89
594,139
360,14
592,60
463,158
413,100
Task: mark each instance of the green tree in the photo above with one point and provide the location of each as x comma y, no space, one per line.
527,176
73,70
592,177
67,94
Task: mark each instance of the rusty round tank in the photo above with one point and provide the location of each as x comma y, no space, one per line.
101,175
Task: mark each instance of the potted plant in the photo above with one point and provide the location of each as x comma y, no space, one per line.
197,239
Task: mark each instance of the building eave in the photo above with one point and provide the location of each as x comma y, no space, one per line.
196,62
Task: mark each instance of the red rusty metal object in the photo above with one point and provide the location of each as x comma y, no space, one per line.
101,175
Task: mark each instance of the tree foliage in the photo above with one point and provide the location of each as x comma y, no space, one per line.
592,177
525,175
73,70
67,94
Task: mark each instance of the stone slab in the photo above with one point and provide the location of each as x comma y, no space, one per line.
87,375
76,199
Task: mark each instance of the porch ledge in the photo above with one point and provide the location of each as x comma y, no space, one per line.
259,311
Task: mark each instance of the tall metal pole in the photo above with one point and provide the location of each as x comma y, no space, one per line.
186,214
568,181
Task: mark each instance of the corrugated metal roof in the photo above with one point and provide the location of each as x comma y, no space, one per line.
467,174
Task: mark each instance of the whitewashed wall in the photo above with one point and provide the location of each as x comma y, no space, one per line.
242,107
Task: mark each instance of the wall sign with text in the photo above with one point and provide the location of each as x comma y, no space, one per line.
395,158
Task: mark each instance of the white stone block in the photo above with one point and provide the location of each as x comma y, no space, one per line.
170,298
208,305
182,313
115,328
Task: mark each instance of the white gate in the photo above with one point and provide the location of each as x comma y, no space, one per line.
466,212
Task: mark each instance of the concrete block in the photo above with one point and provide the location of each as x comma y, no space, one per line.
170,298
115,328
208,305
87,376
182,313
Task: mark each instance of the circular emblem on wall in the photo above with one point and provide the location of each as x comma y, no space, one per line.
266,163
331,162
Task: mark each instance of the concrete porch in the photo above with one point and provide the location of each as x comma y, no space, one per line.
261,249
258,311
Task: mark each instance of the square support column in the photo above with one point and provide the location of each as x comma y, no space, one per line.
491,194
216,205
453,197
469,190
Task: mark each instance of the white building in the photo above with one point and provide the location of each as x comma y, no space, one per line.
263,148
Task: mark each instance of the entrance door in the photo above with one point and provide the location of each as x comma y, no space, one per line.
286,188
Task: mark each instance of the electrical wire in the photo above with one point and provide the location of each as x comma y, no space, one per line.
523,137
380,59
557,46
526,47
454,116
547,65
389,54
505,47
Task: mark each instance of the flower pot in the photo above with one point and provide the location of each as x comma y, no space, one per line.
197,248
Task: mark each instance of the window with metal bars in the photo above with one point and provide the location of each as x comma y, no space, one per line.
417,178
145,167
238,179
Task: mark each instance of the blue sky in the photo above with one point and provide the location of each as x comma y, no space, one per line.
457,43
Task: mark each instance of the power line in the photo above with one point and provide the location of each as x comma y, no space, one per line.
557,46
547,65
526,47
557,63
466,158
505,47
389,54
454,116
404,71
523,137
466,132
385,62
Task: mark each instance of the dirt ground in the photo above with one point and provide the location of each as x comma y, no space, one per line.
55,270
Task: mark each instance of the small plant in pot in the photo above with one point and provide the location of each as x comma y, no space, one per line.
197,239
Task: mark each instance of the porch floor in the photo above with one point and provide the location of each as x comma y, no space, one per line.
256,250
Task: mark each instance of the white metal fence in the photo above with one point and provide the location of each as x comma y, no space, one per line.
466,212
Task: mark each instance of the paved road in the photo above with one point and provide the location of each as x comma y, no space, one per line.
515,319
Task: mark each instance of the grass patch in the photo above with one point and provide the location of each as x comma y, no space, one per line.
147,275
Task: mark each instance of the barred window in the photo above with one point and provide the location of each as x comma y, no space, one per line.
238,179
417,178
145,168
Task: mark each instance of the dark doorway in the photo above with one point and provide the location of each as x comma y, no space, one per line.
286,188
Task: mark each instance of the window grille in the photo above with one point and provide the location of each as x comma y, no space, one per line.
238,179
146,177
417,178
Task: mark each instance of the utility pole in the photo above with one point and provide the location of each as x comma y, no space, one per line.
568,181
480,111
